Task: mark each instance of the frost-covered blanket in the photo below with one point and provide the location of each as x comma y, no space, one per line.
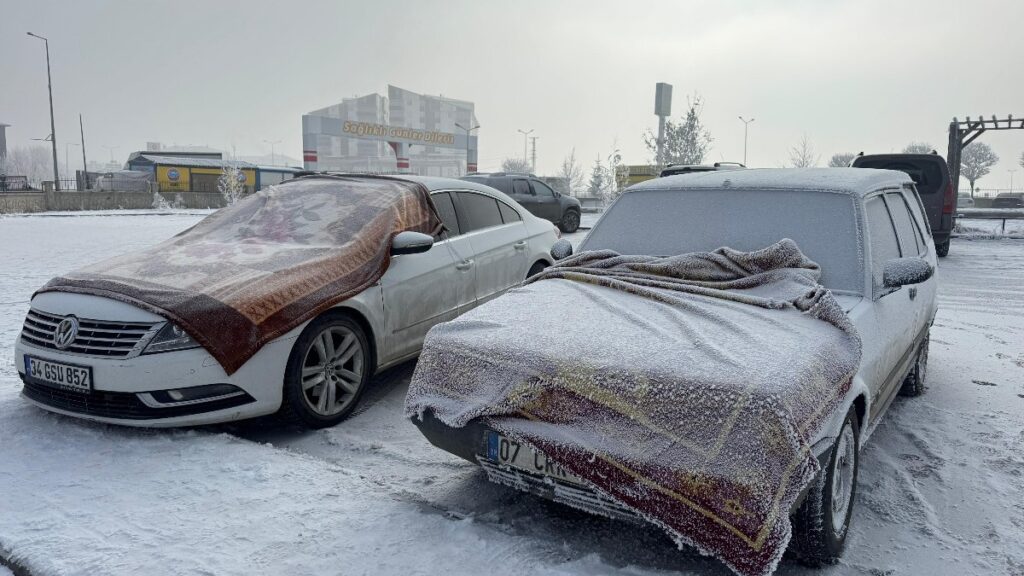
254,270
686,388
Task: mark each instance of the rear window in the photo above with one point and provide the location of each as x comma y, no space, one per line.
670,222
479,211
927,175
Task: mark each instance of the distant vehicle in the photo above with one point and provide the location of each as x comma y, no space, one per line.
106,360
869,235
673,169
1008,200
964,201
934,186
536,196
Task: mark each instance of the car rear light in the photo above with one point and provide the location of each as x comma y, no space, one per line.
949,203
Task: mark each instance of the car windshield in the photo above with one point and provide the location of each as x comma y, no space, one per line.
670,222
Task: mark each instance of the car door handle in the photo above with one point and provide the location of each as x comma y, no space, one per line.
521,245
464,265
913,292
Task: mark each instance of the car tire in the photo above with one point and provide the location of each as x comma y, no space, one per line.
942,249
327,371
537,268
913,384
570,222
822,522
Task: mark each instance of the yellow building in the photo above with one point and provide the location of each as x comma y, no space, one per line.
186,174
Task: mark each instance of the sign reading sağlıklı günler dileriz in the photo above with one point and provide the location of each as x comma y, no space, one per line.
397,133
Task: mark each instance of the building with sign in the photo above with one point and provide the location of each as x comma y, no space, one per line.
192,172
402,132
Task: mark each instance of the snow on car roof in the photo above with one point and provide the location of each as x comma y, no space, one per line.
857,181
434,183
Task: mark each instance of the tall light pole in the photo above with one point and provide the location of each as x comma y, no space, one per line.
53,129
468,130
525,134
745,124
272,158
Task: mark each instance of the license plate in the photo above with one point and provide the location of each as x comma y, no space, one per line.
508,452
59,375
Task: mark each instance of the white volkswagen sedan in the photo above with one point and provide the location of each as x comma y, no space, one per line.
108,361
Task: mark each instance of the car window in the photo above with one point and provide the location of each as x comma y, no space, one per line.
478,211
884,246
446,209
508,213
521,187
920,215
909,243
542,189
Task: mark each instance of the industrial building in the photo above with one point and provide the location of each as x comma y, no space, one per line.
402,132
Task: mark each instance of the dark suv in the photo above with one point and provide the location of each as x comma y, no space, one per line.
1008,200
931,176
536,196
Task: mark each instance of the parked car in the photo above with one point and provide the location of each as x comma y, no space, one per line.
674,169
964,201
536,196
106,360
1008,200
934,186
869,234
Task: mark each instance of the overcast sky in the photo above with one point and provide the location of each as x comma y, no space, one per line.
852,76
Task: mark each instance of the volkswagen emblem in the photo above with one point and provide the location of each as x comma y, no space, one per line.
65,333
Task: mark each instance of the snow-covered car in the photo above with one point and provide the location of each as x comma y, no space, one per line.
867,231
115,360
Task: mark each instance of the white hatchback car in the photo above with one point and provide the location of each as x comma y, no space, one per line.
108,361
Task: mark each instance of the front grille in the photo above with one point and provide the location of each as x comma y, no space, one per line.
120,405
95,337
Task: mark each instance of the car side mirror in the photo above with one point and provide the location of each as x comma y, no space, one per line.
902,271
561,249
409,242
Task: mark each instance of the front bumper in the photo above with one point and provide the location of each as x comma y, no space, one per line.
122,388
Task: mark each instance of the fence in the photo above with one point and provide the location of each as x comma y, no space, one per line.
1003,214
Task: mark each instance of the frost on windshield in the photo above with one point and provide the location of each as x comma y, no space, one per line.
685,388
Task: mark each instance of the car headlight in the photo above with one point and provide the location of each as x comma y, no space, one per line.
170,337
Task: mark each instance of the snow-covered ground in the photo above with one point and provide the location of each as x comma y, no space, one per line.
941,489
988,228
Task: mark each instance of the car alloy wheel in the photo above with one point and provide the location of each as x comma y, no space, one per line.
570,222
843,479
332,371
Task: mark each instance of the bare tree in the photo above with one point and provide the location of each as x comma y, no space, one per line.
572,174
976,160
686,142
918,148
33,162
841,159
597,179
231,183
802,155
521,165
618,174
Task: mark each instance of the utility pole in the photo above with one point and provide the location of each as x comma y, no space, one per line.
85,165
745,124
111,150
468,130
273,159
67,165
533,154
525,134
53,129
662,109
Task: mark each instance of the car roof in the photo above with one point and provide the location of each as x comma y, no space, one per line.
857,181
435,183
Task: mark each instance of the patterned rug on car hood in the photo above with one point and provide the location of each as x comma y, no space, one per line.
254,270
686,388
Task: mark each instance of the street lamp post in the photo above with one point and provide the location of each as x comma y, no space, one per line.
745,124
468,130
53,129
525,133
273,159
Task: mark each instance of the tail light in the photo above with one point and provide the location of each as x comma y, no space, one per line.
949,203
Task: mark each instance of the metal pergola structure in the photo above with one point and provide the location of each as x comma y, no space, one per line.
963,132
